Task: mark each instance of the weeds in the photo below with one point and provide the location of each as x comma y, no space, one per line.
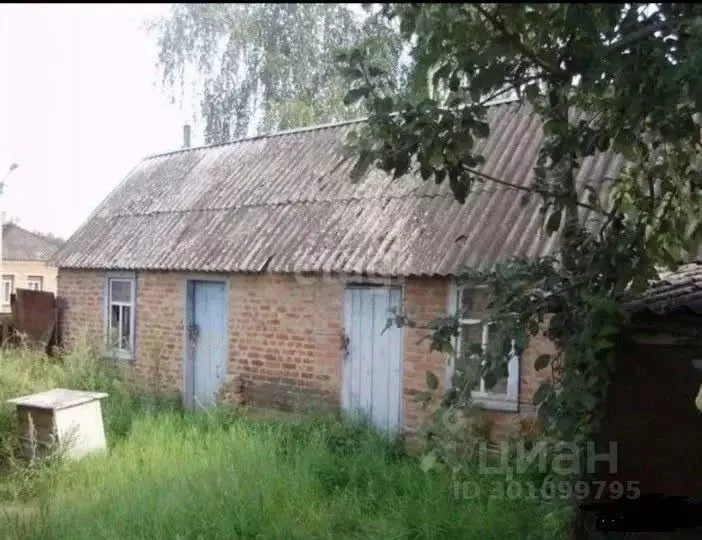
169,473
26,371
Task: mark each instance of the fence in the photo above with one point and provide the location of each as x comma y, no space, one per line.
35,319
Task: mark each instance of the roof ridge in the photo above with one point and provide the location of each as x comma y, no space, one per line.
41,236
291,131
303,129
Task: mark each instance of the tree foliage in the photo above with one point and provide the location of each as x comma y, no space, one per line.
622,78
267,66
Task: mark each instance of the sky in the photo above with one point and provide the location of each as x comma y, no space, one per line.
80,105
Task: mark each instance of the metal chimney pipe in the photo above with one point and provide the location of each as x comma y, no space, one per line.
186,136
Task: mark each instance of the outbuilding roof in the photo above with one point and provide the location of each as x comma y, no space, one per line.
282,203
679,291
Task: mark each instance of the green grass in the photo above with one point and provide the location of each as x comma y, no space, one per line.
170,474
24,371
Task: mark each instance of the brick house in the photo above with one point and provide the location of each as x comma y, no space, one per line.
257,271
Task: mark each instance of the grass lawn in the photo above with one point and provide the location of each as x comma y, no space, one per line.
170,474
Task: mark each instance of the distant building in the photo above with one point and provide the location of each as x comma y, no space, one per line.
24,262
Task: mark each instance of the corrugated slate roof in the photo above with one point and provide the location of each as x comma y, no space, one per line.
677,291
19,244
282,202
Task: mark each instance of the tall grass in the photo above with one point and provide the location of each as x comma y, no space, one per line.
175,474
194,476
26,371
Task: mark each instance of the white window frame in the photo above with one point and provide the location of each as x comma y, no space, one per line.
120,353
35,280
508,402
11,281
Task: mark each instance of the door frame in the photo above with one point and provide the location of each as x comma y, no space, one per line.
379,283
188,278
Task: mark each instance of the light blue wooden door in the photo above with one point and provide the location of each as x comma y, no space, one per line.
372,374
206,336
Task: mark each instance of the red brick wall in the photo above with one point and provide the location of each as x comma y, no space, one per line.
530,378
424,299
159,325
83,293
284,337
159,330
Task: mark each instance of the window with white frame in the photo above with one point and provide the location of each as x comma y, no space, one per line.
120,302
471,306
35,283
8,287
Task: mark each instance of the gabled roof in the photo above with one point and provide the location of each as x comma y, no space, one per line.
281,203
19,244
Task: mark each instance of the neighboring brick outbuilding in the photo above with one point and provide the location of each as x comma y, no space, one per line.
256,271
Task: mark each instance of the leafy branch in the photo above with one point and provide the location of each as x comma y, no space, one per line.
499,25
638,79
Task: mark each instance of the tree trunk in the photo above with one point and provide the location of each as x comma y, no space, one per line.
565,178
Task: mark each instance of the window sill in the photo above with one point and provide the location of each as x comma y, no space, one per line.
496,403
118,355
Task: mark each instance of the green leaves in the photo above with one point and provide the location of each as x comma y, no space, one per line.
441,73
544,392
553,222
490,379
588,400
599,81
542,361
482,129
432,381
356,94
428,462
609,330
436,158
532,92
603,345
459,186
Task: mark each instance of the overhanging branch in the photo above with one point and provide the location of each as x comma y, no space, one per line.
527,189
517,42
636,35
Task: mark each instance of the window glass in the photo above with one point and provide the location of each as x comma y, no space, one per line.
121,290
120,310
475,335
